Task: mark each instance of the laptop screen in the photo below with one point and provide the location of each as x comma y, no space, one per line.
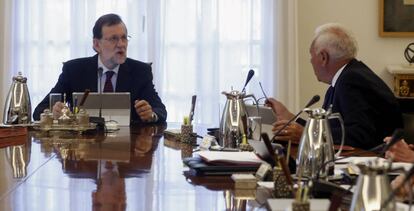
267,114
113,105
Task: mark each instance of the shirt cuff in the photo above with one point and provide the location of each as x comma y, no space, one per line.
301,121
154,117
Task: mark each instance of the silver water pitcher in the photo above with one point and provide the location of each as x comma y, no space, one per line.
373,187
316,149
18,109
233,123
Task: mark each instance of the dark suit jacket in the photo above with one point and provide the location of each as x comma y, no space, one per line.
133,76
367,105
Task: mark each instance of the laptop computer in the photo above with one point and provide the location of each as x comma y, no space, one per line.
114,106
268,117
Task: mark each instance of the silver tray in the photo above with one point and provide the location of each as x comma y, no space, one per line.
57,127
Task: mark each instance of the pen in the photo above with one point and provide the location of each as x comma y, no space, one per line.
85,95
193,102
75,105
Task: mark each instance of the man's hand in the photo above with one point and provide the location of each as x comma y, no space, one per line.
144,110
400,151
57,109
292,132
282,113
404,191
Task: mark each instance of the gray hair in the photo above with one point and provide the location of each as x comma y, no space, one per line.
337,40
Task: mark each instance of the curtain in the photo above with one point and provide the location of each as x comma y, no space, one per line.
46,33
200,47
208,46
5,48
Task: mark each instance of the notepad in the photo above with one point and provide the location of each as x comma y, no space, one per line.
226,158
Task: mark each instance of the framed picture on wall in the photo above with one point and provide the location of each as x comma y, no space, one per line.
396,18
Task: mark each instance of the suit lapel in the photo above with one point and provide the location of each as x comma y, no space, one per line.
91,76
123,82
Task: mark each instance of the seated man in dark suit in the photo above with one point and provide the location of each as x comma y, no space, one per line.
118,73
367,105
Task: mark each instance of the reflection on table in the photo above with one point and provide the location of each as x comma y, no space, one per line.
134,168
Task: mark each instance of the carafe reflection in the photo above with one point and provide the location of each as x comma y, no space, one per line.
18,158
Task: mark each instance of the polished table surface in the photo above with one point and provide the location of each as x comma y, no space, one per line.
134,168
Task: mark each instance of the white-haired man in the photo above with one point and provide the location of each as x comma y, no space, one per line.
367,105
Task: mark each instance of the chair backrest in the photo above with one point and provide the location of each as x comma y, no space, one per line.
409,127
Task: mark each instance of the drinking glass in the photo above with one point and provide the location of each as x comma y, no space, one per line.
53,98
255,127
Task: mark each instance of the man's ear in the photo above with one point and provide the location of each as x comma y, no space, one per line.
96,45
324,57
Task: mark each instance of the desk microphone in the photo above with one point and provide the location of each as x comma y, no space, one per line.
321,184
249,77
193,104
396,136
100,122
312,101
100,72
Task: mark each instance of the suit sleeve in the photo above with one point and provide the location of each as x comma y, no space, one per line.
150,94
359,118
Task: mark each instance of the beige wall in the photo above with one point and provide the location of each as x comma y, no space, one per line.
375,51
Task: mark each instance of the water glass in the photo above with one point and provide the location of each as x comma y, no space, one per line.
255,127
53,98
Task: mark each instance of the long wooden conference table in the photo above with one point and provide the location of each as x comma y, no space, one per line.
134,168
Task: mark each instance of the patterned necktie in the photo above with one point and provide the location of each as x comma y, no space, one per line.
108,83
328,97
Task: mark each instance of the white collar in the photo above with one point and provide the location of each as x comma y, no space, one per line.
104,68
337,74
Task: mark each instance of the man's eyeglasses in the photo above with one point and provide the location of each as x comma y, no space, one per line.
115,39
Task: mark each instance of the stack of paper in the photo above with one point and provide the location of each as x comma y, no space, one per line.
230,158
351,161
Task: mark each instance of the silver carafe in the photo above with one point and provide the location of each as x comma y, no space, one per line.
17,109
316,150
373,187
233,123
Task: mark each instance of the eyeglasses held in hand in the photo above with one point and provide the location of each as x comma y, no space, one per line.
264,94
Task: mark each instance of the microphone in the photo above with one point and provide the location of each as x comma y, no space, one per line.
100,72
396,136
100,122
312,101
193,103
249,77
